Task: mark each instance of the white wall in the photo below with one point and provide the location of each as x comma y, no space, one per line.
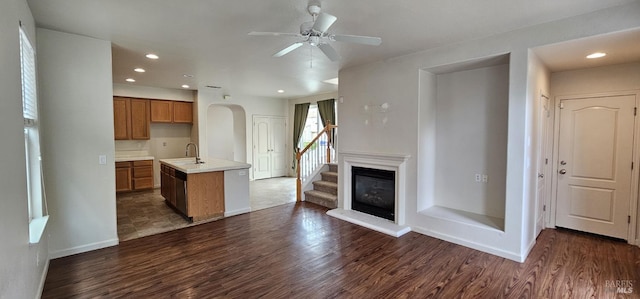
471,138
620,77
146,92
252,105
166,140
401,82
537,83
220,139
22,267
77,127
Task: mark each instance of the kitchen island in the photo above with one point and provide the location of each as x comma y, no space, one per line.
212,189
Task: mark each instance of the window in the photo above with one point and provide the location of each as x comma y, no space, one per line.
35,195
312,126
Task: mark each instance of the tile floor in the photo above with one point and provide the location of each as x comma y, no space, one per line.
145,213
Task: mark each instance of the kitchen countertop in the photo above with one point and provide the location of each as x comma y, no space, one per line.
133,158
188,165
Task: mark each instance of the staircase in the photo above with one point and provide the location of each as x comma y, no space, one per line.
325,191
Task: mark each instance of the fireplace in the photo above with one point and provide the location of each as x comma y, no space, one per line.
373,192
376,197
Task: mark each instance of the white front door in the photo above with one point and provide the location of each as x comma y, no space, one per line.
269,147
544,117
594,156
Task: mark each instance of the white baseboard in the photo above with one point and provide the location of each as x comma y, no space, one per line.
43,278
83,248
492,250
237,212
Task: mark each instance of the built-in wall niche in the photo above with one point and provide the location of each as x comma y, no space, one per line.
464,125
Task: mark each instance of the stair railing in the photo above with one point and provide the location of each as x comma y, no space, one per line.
314,155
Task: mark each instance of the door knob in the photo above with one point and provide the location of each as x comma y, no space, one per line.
563,163
562,171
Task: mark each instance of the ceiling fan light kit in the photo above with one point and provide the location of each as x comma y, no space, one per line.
315,34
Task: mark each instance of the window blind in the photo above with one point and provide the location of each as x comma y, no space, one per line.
29,96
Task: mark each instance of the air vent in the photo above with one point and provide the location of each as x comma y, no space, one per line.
213,86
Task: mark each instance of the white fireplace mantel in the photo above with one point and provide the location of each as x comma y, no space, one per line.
390,162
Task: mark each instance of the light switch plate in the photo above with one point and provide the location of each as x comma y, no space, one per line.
102,159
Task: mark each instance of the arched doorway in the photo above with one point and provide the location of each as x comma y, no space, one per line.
226,132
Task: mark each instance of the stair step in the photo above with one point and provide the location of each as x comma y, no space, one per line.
333,167
330,176
321,198
327,187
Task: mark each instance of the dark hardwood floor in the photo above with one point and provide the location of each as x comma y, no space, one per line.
296,251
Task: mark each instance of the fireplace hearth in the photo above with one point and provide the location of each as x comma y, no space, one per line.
373,192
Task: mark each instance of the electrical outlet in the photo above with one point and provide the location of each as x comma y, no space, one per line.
477,177
485,178
102,159
164,143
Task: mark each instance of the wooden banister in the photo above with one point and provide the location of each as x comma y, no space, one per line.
328,128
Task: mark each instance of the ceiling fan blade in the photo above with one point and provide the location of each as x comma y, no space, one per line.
328,50
288,49
274,34
323,22
364,40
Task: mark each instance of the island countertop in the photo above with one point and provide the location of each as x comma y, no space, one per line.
188,165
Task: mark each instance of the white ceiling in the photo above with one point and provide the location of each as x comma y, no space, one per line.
208,38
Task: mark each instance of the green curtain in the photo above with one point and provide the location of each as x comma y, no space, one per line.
299,120
327,110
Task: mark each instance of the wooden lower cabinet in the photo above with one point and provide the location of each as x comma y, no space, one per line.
134,175
204,194
123,177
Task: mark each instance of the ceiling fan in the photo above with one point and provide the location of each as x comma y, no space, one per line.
315,34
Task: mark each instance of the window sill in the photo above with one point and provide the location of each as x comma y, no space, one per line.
36,229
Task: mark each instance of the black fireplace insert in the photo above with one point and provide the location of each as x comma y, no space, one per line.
373,191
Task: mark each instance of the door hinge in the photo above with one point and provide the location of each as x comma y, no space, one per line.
544,208
631,165
546,161
635,111
629,219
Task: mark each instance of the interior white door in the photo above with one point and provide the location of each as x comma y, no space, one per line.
261,147
544,117
269,155
595,155
278,147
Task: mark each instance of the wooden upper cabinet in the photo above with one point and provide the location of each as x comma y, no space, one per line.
131,119
183,112
121,118
140,117
161,111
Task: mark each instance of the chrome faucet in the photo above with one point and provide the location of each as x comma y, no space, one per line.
186,153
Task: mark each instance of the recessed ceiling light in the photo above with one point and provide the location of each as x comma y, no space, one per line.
596,55
185,86
139,70
152,56
130,80
280,91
